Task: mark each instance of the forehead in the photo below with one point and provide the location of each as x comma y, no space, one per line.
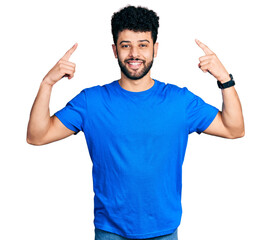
132,36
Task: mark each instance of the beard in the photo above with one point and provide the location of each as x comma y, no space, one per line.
135,75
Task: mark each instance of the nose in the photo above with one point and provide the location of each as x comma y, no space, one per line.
134,52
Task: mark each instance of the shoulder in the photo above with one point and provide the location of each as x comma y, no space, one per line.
176,90
93,92
93,89
96,95
98,89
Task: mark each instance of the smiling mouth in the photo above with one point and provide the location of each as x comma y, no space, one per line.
134,64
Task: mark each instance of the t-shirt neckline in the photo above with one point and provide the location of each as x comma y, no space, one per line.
147,91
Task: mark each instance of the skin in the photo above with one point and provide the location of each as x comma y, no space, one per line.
42,128
135,45
229,123
131,47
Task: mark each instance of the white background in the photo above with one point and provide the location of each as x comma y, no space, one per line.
46,191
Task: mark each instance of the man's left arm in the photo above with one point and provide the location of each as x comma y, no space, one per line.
229,122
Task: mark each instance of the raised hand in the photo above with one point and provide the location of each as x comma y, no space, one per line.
210,63
63,68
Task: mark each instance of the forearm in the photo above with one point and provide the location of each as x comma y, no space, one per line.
230,122
232,115
39,121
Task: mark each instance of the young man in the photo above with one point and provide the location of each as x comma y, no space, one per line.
136,130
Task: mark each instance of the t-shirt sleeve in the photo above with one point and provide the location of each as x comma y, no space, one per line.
199,115
73,114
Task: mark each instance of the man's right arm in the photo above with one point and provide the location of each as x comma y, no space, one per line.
43,129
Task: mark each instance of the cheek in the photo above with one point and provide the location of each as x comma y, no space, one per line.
122,58
149,55
121,55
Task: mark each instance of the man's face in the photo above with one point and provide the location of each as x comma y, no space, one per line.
135,52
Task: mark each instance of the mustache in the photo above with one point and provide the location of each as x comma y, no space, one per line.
134,59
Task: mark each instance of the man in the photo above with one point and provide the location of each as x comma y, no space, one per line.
136,129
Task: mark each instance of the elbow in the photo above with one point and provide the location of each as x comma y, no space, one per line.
33,141
243,133
237,134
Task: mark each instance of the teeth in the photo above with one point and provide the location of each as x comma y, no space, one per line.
134,63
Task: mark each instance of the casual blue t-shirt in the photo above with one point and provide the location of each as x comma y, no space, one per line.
137,143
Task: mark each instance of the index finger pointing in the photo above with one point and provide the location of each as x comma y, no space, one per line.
70,52
205,49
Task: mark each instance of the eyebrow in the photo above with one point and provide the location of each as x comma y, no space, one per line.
145,40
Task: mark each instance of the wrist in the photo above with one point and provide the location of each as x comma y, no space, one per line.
227,84
46,85
224,79
46,81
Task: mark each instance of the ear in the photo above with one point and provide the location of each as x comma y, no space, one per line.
155,49
115,50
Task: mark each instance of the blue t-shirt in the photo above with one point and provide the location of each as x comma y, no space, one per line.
137,143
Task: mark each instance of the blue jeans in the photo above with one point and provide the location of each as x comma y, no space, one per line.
104,235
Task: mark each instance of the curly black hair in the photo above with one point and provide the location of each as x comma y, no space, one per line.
138,19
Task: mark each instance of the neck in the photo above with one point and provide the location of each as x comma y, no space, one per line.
138,85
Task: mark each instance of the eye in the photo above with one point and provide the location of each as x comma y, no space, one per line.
125,46
143,45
